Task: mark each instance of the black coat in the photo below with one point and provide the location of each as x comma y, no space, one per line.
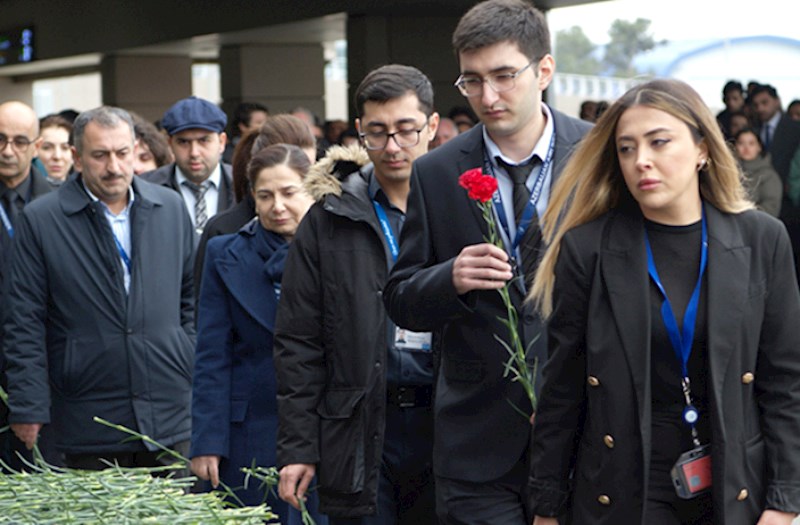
223,223
75,339
331,348
595,407
478,435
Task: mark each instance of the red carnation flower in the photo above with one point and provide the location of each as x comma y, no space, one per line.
480,187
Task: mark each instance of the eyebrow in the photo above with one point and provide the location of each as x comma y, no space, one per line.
396,123
493,70
647,134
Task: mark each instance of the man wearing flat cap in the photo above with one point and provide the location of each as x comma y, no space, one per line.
196,136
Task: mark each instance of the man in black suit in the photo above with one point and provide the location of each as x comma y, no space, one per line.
781,138
446,277
20,183
197,139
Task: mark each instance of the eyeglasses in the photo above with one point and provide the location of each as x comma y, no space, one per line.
472,85
404,138
19,143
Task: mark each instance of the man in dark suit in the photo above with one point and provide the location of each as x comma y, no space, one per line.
781,138
197,139
100,307
446,277
20,183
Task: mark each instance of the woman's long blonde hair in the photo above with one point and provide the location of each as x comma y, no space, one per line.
592,183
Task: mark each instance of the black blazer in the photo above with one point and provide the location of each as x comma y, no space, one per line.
478,436
594,411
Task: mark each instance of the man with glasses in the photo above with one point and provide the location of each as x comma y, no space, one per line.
354,391
447,276
20,183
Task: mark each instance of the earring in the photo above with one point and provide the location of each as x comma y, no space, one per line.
703,164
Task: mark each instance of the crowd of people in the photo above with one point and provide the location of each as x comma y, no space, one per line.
271,290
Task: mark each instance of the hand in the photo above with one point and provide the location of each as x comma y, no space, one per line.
776,517
481,267
540,520
206,467
28,433
294,482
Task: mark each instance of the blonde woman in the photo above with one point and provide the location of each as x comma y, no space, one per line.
672,393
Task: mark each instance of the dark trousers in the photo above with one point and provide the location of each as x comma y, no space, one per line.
142,458
697,511
405,485
497,502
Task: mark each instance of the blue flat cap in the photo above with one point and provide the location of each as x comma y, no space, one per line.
194,113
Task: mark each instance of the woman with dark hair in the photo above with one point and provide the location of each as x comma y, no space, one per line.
54,151
672,391
234,407
762,182
152,147
280,129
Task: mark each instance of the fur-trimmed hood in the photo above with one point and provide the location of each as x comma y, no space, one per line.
326,176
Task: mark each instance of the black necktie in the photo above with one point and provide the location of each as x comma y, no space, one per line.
522,195
519,176
13,204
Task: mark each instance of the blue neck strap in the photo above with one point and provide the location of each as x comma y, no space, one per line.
388,234
681,340
122,253
530,208
6,221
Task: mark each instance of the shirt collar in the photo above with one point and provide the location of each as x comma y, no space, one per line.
376,192
131,197
773,122
214,179
539,150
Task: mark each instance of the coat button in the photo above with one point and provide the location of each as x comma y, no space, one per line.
747,378
742,495
604,500
608,440
593,381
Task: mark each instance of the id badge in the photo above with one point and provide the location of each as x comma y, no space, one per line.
413,341
691,474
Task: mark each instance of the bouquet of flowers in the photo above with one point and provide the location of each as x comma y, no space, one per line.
481,188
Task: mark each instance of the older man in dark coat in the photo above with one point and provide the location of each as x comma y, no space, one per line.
100,302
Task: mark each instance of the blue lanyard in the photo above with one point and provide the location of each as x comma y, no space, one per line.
391,240
681,340
530,208
123,255
6,221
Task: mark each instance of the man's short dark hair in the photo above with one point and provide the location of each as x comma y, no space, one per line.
765,88
730,86
495,21
242,113
394,81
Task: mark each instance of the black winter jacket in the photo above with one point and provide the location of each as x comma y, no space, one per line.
330,339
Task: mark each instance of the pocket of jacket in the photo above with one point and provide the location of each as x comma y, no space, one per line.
238,410
341,465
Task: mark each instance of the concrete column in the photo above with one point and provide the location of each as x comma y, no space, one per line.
146,84
422,42
14,90
280,76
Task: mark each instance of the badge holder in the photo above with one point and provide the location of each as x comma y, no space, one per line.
691,474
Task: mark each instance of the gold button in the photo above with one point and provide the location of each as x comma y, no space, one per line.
604,500
609,441
747,378
742,495
593,381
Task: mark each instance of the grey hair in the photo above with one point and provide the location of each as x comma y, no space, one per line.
103,116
